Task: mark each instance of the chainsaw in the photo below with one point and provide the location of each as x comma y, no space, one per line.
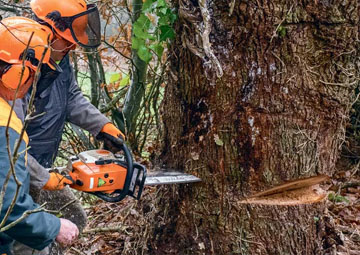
112,177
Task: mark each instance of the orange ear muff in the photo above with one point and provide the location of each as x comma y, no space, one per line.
12,75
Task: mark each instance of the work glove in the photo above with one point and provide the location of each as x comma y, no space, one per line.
56,182
68,232
113,138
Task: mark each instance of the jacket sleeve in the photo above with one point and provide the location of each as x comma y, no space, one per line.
37,230
81,112
39,176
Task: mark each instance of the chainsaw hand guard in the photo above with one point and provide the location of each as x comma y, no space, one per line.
134,190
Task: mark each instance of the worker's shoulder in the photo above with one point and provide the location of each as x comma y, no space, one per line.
15,124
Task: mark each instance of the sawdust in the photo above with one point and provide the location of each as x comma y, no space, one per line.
305,195
302,191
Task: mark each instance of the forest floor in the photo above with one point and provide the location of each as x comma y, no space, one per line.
343,215
115,228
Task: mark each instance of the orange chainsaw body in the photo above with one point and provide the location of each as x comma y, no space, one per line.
94,171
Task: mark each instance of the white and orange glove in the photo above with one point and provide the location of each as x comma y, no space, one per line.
113,138
56,182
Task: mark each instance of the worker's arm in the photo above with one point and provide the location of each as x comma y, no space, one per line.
81,112
37,230
39,176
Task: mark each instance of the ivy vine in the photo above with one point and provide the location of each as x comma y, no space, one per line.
153,30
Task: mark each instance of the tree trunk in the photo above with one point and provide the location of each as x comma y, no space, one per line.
135,94
264,101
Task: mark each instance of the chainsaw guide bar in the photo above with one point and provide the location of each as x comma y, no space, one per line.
169,177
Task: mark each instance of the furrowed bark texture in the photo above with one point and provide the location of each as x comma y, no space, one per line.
277,113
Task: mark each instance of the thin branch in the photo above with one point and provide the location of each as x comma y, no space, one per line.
281,22
232,6
67,204
105,229
20,7
62,208
351,185
23,216
77,251
9,9
113,102
348,85
29,117
116,50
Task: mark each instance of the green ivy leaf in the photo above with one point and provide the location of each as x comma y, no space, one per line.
158,49
147,5
173,17
137,42
143,21
163,10
141,27
139,33
163,20
115,77
166,32
161,3
148,43
144,54
125,81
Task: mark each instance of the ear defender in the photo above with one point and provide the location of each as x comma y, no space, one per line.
12,75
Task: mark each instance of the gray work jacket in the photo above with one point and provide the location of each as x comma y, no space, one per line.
61,100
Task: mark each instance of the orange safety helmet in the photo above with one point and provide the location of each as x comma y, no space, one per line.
23,44
73,20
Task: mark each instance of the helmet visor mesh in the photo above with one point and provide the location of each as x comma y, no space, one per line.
85,28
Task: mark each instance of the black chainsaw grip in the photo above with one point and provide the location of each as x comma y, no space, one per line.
129,174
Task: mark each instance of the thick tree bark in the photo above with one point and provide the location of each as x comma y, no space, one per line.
266,101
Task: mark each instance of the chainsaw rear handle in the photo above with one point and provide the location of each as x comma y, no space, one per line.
124,192
77,182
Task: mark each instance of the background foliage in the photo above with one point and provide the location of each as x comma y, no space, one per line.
124,77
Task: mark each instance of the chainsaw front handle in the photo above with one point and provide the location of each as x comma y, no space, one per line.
125,191
111,143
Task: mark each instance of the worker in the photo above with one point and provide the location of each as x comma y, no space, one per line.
23,45
73,23
59,98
